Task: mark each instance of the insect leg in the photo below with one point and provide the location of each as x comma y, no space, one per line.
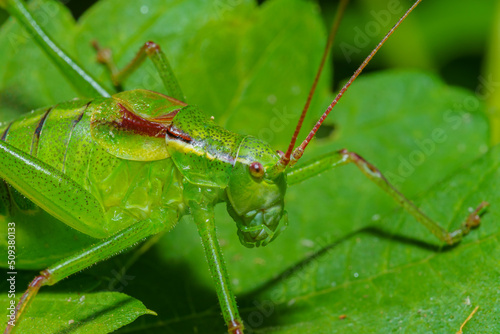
85,258
82,81
204,219
52,191
160,61
343,157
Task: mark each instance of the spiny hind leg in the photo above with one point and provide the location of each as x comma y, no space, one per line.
52,190
83,259
151,50
343,157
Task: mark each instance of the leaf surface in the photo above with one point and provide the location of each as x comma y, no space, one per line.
79,313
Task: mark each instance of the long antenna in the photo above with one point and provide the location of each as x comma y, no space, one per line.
297,153
290,159
331,38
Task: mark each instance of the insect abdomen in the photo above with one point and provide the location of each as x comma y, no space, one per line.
25,133
61,137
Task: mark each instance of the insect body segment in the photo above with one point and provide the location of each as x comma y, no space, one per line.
256,204
215,157
132,125
120,191
203,152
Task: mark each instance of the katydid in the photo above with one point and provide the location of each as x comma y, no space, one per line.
186,164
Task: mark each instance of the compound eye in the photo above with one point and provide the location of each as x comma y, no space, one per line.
256,169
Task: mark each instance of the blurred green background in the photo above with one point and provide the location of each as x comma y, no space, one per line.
457,52
448,37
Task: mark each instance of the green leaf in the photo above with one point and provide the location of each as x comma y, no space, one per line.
489,85
98,313
348,250
24,71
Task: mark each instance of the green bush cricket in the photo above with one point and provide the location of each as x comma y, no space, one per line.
182,134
